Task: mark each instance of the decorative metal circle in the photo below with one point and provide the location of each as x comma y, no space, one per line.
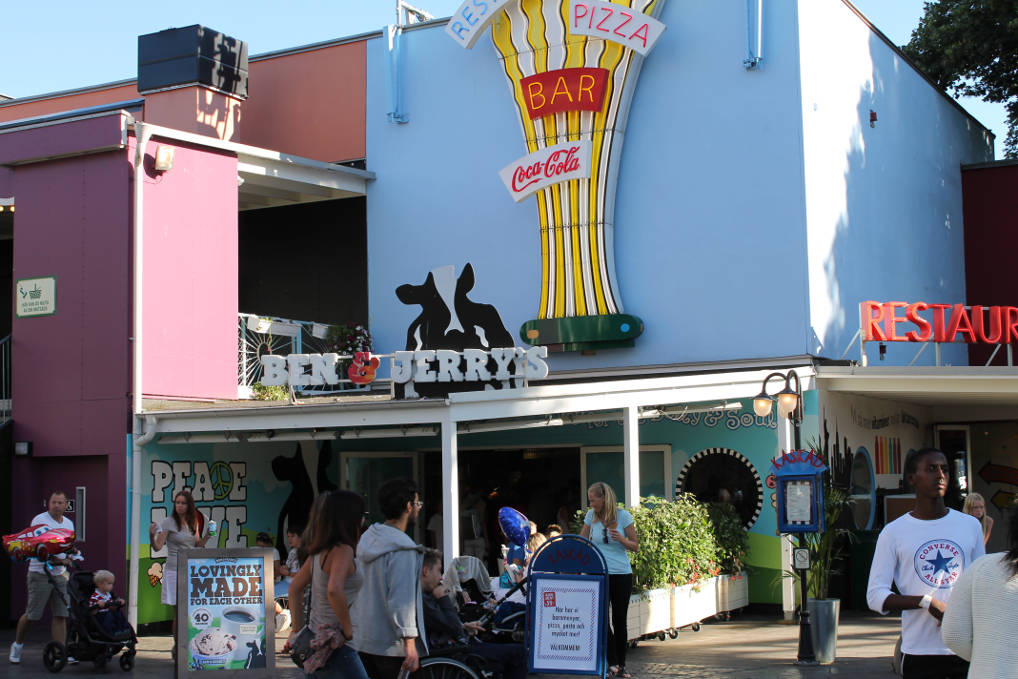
680,481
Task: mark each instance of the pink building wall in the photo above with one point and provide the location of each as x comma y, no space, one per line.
70,370
190,275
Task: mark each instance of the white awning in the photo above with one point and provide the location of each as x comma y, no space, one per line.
270,178
954,392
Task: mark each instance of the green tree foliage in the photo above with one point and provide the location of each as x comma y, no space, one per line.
971,48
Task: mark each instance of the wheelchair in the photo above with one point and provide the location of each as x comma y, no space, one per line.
458,661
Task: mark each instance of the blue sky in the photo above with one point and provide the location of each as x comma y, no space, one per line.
65,44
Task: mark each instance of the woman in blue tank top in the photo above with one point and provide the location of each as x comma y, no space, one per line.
612,530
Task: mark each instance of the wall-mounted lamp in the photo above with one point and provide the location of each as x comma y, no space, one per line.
22,447
789,401
164,158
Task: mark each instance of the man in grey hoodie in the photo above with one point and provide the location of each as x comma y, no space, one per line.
389,608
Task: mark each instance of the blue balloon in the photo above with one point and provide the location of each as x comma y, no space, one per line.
515,526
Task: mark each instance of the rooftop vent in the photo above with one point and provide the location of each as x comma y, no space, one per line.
193,55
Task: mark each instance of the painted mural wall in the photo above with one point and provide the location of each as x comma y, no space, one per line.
687,213
881,155
244,488
874,438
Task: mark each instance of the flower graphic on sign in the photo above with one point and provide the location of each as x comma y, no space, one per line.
362,370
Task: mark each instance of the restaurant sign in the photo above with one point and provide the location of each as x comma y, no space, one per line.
922,322
572,67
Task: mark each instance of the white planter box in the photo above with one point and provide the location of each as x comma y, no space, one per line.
658,616
693,603
638,608
733,591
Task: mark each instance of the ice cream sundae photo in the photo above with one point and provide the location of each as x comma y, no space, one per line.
212,647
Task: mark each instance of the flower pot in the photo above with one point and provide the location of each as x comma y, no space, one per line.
693,603
823,621
733,591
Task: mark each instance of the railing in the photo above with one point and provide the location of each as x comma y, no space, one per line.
5,380
260,335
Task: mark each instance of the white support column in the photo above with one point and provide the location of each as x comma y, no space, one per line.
631,433
787,584
450,492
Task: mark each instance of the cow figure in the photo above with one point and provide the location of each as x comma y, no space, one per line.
450,320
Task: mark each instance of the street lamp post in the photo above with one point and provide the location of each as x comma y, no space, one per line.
790,405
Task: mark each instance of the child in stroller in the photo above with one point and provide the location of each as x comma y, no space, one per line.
94,632
108,611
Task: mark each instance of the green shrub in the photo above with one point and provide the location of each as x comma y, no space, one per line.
260,392
731,535
677,545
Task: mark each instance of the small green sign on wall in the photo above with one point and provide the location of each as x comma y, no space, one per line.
35,297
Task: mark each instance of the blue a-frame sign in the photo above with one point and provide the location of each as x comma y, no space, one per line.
567,608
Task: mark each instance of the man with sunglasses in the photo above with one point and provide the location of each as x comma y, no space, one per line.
389,612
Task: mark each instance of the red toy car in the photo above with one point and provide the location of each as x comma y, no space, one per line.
38,541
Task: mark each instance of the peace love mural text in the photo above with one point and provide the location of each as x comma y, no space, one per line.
215,487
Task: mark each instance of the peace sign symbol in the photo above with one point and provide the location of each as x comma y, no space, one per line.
221,477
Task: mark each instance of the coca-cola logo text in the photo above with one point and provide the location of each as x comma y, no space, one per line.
559,162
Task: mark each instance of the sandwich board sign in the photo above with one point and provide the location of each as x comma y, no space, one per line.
568,606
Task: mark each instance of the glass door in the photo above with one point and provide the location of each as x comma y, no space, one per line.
364,473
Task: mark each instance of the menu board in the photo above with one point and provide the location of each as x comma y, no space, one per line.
225,612
566,633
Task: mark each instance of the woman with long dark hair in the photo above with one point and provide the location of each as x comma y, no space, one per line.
331,543
612,530
979,620
184,528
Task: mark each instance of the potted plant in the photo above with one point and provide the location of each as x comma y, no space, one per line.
674,571
826,550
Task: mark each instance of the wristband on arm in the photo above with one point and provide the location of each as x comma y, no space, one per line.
925,601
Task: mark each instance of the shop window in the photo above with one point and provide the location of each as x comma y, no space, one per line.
723,475
603,463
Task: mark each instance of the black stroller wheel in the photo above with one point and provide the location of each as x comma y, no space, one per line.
54,656
127,661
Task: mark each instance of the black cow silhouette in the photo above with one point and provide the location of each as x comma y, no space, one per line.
297,506
466,325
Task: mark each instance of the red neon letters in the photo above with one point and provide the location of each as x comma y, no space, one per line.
567,89
977,324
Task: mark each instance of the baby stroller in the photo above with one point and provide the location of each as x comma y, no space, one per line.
86,639
505,620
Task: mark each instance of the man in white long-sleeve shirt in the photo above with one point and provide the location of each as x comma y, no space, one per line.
923,553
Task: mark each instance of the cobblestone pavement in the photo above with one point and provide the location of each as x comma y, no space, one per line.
748,647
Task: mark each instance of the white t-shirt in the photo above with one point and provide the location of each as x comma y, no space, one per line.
923,557
36,566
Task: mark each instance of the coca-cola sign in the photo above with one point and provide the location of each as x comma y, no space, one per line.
547,166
